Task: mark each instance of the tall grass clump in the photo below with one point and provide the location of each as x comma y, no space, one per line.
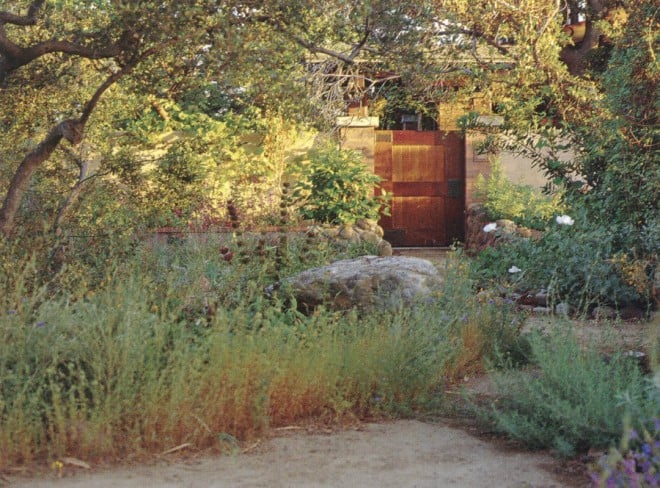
180,346
572,398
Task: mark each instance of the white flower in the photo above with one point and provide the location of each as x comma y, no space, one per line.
490,227
514,269
564,220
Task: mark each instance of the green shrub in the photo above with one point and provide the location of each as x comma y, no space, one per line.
523,204
573,398
579,264
335,186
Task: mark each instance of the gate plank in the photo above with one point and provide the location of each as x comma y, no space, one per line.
416,167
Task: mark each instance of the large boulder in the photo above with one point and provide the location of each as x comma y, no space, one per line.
366,282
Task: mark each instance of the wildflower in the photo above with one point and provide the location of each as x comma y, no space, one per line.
514,269
58,466
647,449
564,220
490,227
41,323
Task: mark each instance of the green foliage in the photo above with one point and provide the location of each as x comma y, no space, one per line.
581,264
335,186
571,399
592,128
178,328
523,204
620,157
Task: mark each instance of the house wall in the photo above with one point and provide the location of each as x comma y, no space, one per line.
515,167
359,133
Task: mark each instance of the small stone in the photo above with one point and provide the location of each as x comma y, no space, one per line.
563,308
370,237
541,299
347,232
507,225
363,224
385,248
331,233
631,312
527,299
603,312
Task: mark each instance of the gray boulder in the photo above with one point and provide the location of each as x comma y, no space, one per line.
366,282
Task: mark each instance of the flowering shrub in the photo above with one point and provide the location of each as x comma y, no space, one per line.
576,262
635,464
564,220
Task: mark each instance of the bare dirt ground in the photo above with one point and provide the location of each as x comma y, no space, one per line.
404,453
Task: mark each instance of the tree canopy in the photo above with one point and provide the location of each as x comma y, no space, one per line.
86,72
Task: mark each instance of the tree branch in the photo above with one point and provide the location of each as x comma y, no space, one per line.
575,56
71,130
29,19
13,56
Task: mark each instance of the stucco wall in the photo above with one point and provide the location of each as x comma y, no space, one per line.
358,133
515,167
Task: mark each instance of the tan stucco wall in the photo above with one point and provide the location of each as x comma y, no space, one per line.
359,133
519,170
516,168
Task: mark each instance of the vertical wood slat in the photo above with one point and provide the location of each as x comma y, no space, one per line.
419,165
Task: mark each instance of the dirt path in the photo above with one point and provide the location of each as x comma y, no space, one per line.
405,453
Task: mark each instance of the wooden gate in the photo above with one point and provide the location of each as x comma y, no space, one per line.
425,172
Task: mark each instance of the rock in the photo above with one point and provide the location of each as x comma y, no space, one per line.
476,240
541,299
563,308
385,248
527,299
506,225
364,230
631,312
366,282
330,232
542,310
370,237
603,312
347,232
364,224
